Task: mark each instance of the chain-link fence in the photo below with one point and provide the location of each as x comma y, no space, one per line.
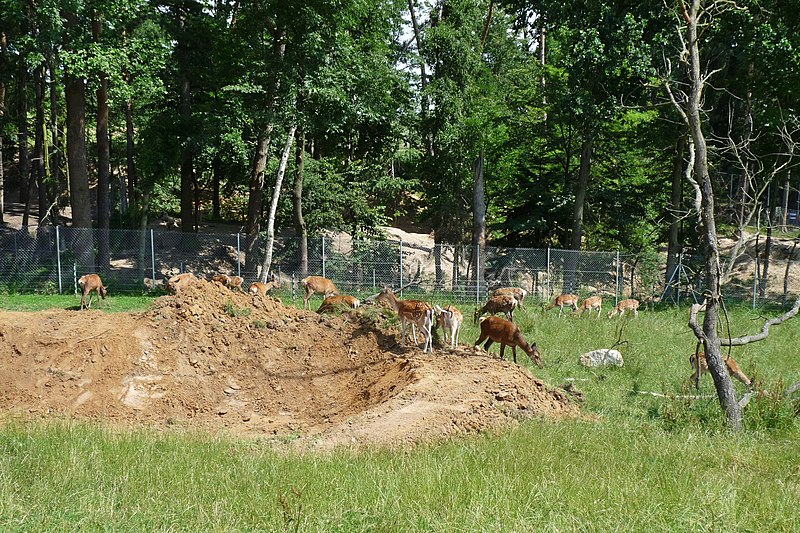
50,259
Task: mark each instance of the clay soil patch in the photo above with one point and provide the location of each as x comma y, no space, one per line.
214,360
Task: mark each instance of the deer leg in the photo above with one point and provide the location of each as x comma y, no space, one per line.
502,350
488,344
480,339
514,351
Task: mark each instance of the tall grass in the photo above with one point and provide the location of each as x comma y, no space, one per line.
638,462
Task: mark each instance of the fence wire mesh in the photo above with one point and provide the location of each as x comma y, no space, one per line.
50,259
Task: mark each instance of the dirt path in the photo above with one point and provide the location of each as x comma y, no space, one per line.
214,360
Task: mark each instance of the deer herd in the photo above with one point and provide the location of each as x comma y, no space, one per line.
425,317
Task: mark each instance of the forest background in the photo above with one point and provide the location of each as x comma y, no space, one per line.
530,123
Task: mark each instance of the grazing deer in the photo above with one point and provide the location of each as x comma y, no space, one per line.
497,304
91,284
262,289
417,312
730,364
332,302
450,320
180,282
232,282
507,333
630,304
562,301
317,284
592,303
516,292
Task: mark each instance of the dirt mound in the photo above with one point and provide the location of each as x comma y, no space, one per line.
215,360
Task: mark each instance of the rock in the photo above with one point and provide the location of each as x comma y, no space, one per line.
602,357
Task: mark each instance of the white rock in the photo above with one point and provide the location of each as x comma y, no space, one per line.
601,357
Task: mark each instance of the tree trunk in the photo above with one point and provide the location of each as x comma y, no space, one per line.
708,335
103,161
130,154
37,168
785,202
24,159
216,178
478,223
58,183
260,158
187,155
297,205
276,194
771,222
256,197
576,241
3,62
674,246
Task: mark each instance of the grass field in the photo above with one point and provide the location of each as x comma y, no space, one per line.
640,463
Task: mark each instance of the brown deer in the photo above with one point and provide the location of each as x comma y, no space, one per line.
503,303
449,319
178,283
630,304
317,285
562,301
417,312
507,333
91,284
730,364
591,303
516,292
232,282
332,302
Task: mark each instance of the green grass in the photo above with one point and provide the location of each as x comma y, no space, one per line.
114,303
640,463
543,475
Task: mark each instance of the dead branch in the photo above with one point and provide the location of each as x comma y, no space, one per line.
747,339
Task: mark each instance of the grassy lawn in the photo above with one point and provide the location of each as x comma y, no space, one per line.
35,302
640,463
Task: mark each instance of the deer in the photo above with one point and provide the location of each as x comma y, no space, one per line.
417,312
730,364
91,284
563,300
233,282
338,300
317,284
497,304
507,333
175,284
590,304
631,304
449,319
516,292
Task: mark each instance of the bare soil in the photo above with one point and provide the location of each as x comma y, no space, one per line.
213,360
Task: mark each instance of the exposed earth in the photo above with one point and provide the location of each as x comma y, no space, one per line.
212,360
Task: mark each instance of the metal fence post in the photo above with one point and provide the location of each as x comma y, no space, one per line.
58,259
478,275
680,272
238,255
401,268
616,296
75,277
323,256
153,257
292,286
549,291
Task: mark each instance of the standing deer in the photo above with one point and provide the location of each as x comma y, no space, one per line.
417,312
317,285
592,303
507,333
702,368
563,300
497,304
450,320
516,292
630,304
90,284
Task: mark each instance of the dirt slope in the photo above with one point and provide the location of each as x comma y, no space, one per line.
215,360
